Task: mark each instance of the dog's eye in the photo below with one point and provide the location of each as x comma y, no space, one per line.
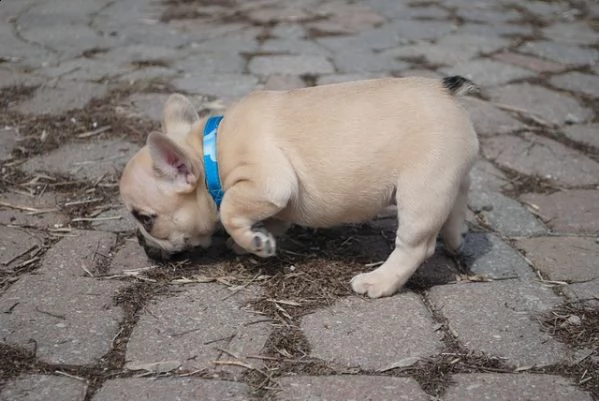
146,220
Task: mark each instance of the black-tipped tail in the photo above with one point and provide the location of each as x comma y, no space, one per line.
457,85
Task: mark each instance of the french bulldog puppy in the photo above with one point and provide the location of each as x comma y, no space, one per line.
316,157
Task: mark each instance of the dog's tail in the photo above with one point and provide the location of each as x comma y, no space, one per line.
458,86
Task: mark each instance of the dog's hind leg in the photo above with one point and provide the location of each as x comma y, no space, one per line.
454,228
424,201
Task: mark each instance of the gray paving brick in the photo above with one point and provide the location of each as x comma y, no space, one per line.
585,134
366,62
587,293
224,86
508,387
9,77
505,215
578,33
571,259
49,203
294,46
288,31
15,242
537,156
488,72
577,82
130,257
116,220
368,327
43,388
64,96
8,141
180,389
529,62
488,15
60,312
283,82
490,30
348,387
489,256
490,120
85,69
556,108
292,65
84,160
190,326
562,52
506,326
338,78
220,62
574,211
485,177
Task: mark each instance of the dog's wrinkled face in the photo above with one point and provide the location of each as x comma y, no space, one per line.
162,186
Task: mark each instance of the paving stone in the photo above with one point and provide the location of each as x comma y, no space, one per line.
427,12
562,52
148,74
532,63
15,242
577,82
169,388
60,312
348,387
543,8
182,329
554,107
291,65
487,255
571,259
488,119
243,40
585,134
357,332
10,78
64,96
131,54
283,82
505,215
451,49
278,14
85,69
45,203
351,17
413,30
484,177
488,15
43,388
507,387
9,138
573,211
436,270
211,63
288,31
585,292
488,72
130,257
506,326
294,46
84,160
365,62
115,220
492,30
223,86
542,157
571,32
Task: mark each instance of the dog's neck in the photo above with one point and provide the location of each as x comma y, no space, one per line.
209,148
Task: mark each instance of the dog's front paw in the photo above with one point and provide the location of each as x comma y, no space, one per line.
263,244
374,284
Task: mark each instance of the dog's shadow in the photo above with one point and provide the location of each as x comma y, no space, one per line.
338,253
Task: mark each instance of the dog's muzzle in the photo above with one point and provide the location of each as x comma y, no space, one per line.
153,252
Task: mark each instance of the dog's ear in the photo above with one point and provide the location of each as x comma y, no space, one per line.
172,163
178,116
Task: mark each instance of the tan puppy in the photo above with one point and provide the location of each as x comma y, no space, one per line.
316,157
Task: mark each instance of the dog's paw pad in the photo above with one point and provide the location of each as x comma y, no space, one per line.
264,244
373,285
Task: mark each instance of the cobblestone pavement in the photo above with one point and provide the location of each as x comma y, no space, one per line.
85,316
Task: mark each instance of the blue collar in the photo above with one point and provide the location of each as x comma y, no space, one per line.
210,161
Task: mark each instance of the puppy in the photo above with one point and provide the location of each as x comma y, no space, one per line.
316,157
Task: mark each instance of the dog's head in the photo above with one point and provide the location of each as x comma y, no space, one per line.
163,185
